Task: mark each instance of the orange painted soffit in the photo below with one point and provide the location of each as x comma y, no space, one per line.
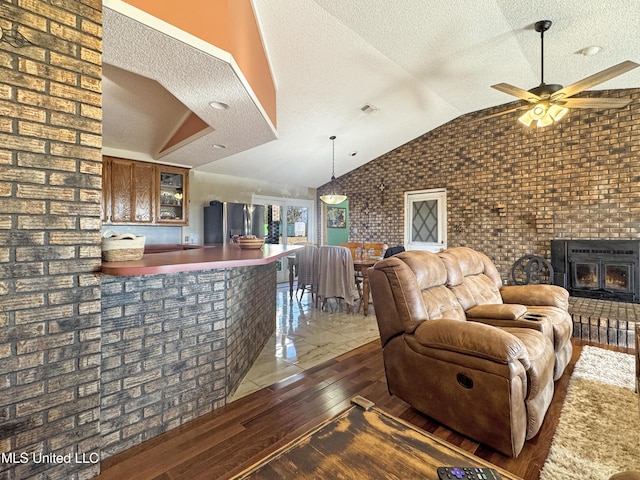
191,129
229,25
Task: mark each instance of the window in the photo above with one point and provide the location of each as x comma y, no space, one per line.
425,220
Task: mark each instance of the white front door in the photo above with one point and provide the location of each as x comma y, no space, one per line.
425,220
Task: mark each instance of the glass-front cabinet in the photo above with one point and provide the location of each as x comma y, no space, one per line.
172,195
144,193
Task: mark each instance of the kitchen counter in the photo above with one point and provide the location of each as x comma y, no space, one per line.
180,329
185,258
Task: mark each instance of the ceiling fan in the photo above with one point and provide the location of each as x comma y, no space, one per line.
548,103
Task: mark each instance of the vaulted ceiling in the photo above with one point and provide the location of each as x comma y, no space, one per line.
417,64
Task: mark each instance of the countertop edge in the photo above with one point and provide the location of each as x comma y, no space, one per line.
219,257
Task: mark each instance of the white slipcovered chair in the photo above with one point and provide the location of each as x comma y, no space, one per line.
336,275
307,270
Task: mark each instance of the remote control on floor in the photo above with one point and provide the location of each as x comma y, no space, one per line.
467,473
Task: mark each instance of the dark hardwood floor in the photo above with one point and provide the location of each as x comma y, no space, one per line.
230,439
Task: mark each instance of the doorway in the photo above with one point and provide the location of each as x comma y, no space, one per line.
290,221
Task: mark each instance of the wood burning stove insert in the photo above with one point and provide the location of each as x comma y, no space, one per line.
604,269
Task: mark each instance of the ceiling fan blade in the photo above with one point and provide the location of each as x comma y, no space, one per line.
594,102
504,112
595,79
516,92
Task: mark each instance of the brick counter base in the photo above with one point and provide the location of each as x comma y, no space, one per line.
604,321
176,346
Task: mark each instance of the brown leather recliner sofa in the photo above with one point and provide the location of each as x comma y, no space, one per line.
490,379
477,285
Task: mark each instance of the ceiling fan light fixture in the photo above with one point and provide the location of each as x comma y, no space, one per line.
333,198
545,121
543,115
544,109
538,111
526,119
556,112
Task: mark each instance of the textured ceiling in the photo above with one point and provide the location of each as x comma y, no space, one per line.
421,63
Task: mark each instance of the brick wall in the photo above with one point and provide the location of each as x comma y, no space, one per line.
176,346
251,302
50,183
578,179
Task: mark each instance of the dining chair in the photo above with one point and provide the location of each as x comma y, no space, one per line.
391,251
353,248
377,247
307,270
336,277
372,249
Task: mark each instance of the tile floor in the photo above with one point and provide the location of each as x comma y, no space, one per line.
306,337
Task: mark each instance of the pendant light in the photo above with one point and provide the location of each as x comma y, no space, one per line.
333,198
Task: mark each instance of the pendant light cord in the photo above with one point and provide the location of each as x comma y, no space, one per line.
333,156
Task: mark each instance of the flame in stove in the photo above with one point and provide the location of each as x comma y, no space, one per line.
618,282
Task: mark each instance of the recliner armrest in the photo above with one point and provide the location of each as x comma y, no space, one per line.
470,338
508,315
545,295
497,311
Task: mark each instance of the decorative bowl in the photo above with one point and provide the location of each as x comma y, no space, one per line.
250,243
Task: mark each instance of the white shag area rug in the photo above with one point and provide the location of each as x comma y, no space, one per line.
598,432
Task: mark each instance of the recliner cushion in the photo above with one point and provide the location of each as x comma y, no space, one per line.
426,266
472,277
476,290
417,280
474,339
463,262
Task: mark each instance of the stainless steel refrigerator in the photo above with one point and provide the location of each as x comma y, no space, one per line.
223,220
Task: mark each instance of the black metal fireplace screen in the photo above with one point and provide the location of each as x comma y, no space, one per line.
605,269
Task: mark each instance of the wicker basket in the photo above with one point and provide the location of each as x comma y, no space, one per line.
121,248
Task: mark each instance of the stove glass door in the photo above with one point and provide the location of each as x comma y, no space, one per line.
617,277
585,275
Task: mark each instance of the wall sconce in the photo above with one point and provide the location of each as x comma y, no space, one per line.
14,38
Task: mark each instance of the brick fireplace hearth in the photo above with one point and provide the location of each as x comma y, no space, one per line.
604,321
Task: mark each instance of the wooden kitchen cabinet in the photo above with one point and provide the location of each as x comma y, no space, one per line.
172,200
133,192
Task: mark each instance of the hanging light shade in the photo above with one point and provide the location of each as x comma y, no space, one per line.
333,198
557,112
538,111
526,119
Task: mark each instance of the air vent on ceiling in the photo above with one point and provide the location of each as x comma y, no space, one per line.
368,108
